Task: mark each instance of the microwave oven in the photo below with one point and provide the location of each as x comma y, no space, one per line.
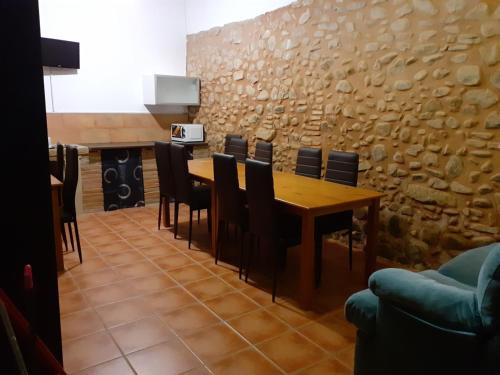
186,132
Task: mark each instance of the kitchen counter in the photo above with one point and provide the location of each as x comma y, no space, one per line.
82,150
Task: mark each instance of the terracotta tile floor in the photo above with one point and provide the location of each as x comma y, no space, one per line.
144,303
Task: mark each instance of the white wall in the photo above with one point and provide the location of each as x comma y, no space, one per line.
120,40
205,14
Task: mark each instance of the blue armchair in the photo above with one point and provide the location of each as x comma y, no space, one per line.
433,322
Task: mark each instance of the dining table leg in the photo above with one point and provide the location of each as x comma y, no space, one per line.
215,220
166,212
371,238
306,278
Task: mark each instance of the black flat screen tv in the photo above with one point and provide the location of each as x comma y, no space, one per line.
60,53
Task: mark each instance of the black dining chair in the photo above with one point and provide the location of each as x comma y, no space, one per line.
238,147
309,162
264,152
227,141
197,197
266,223
341,168
231,203
68,214
56,167
165,176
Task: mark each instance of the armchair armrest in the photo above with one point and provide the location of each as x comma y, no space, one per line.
442,305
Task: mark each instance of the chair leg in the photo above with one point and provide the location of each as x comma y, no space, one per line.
350,249
71,236
159,212
242,252
190,227
198,216
77,235
176,218
218,247
63,233
249,258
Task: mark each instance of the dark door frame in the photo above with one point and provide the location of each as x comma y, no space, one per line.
27,230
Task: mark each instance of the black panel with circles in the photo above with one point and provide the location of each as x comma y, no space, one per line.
122,180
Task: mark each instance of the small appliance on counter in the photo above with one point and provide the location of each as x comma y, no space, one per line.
186,132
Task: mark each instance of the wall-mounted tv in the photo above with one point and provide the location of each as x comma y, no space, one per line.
60,53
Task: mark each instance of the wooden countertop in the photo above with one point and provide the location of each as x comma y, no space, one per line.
112,145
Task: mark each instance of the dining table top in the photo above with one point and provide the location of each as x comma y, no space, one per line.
302,192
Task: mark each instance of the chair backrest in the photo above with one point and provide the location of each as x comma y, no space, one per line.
230,202
70,179
164,168
309,162
238,147
260,199
180,171
227,141
264,152
60,161
342,168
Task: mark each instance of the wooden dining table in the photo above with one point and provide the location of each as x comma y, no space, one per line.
307,198
56,193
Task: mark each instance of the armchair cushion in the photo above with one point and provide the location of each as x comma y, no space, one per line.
465,267
488,291
439,304
361,310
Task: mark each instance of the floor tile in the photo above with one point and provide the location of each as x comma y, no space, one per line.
110,293
79,324
346,356
213,343
258,326
169,300
330,334
89,266
95,279
153,283
123,312
172,261
230,305
169,358
209,288
140,334
159,250
257,295
329,366
189,319
192,272
114,247
138,269
291,351
89,351
126,257
115,367
105,238
66,285
247,362
146,240
72,302
294,317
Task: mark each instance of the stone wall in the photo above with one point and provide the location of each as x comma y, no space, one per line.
412,86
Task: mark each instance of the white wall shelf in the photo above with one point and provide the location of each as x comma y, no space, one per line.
171,90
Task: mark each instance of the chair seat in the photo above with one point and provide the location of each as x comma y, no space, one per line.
333,223
200,198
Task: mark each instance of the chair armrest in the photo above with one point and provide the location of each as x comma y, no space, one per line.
442,305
